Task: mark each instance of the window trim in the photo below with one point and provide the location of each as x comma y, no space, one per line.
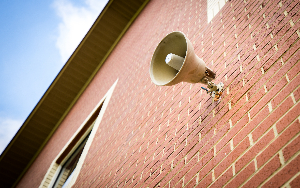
85,128
77,152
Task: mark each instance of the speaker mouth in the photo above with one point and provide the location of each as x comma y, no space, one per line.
160,72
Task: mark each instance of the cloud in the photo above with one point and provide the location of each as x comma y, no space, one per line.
75,23
8,128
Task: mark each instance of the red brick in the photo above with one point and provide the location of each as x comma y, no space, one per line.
194,169
292,114
297,94
180,174
191,173
264,173
287,43
274,73
254,150
239,111
277,144
203,144
205,163
251,83
274,90
264,100
233,131
295,69
242,176
228,160
284,174
291,148
295,182
192,182
178,184
204,182
221,154
270,120
250,126
223,178
286,90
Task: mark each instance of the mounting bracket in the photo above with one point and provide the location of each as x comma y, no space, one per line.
215,91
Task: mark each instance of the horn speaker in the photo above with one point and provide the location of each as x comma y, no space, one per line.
175,61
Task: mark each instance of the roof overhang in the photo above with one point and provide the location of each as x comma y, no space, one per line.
67,87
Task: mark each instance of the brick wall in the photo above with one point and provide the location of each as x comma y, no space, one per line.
175,136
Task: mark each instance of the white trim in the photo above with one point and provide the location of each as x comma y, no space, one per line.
213,7
106,99
104,102
55,174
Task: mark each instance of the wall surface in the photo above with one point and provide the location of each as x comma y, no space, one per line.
175,136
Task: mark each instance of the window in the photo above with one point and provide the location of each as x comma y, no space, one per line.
66,172
213,7
65,168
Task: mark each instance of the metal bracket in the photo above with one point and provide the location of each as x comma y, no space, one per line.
215,91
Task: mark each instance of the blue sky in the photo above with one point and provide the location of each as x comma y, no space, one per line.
37,38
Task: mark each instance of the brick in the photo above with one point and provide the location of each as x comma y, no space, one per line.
264,100
292,52
295,182
272,72
297,94
292,114
254,150
231,157
223,178
192,182
285,173
251,82
270,120
202,147
195,168
242,176
291,148
204,164
236,117
277,144
204,182
264,173
222,154
274,90
232,132
286,90
250,126
191,173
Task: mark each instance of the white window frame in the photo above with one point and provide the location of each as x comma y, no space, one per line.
54,170
213,7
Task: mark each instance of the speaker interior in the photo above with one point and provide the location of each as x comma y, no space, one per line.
160,72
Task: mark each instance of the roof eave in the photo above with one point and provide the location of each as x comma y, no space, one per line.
79,85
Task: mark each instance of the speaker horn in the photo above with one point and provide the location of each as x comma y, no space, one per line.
175,61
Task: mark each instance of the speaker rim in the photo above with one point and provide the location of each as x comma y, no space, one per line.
153,56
